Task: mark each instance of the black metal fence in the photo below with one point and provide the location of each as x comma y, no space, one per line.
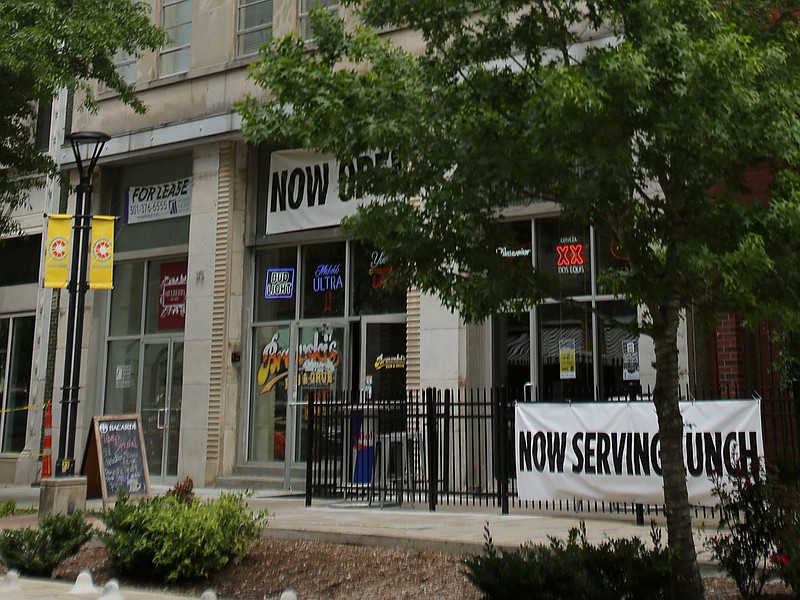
455,448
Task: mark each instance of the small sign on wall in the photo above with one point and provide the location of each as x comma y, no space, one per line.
156,202
566,359
172,295
630,360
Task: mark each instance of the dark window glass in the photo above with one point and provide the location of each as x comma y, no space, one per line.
565,350
43,114
374,292
165,307
619,350
19,377
19,260
126,299
323,276
276,284
155,233
511,339
566,255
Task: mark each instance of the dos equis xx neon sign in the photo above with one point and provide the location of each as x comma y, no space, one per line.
570,257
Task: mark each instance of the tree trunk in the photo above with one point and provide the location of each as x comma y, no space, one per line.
670,425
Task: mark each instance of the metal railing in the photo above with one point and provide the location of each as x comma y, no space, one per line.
455,448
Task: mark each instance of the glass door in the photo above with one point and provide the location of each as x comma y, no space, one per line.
161,401
319,374
268,405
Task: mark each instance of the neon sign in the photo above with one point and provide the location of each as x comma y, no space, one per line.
280,283
378,270
570,257
327,277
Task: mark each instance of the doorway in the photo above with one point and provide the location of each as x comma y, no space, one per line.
160,405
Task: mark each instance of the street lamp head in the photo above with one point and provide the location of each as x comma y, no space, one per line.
87,146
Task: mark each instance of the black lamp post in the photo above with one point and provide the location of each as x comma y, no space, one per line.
86,145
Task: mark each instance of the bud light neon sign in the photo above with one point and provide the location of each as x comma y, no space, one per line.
280,283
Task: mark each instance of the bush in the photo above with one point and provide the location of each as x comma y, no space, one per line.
621,568
183,491
179,539
786,558
752,515
39,551
8,508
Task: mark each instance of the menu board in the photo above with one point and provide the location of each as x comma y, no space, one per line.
115,459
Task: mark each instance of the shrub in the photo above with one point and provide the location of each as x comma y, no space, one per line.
8,508
751,516
39,551
786,558
177,540
621,568
183,491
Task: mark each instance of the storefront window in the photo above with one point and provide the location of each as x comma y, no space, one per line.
619,348
276,284
565,254
328,314
269,401
126,301
16,349
122,377
611,256
586,342
323,281
153,201
565,352
144,368
511,351
166,298
374,292
385,360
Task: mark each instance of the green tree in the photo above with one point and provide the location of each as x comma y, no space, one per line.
638,117
48,45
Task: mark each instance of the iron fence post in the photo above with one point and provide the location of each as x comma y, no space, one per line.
310,449
446,419
501,446
433,448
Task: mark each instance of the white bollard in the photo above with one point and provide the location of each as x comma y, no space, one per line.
111,591
10,582
288,595
83,584
208,595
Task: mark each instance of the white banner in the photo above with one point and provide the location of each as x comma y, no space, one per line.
611,450
303,189
160,201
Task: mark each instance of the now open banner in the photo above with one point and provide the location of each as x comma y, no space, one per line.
303,189
611,451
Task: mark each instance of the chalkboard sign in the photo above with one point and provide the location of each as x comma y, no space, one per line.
115,459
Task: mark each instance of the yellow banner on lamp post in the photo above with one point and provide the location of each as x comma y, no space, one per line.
101,255
57,253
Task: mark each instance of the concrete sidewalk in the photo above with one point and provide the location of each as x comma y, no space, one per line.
449,529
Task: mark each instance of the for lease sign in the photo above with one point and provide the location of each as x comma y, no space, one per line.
160,201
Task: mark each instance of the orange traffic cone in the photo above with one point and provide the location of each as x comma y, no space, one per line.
47,443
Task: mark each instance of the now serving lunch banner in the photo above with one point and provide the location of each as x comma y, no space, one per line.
611,450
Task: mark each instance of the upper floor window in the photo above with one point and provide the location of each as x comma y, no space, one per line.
125,64
176,20
305,8
44,112
254,25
